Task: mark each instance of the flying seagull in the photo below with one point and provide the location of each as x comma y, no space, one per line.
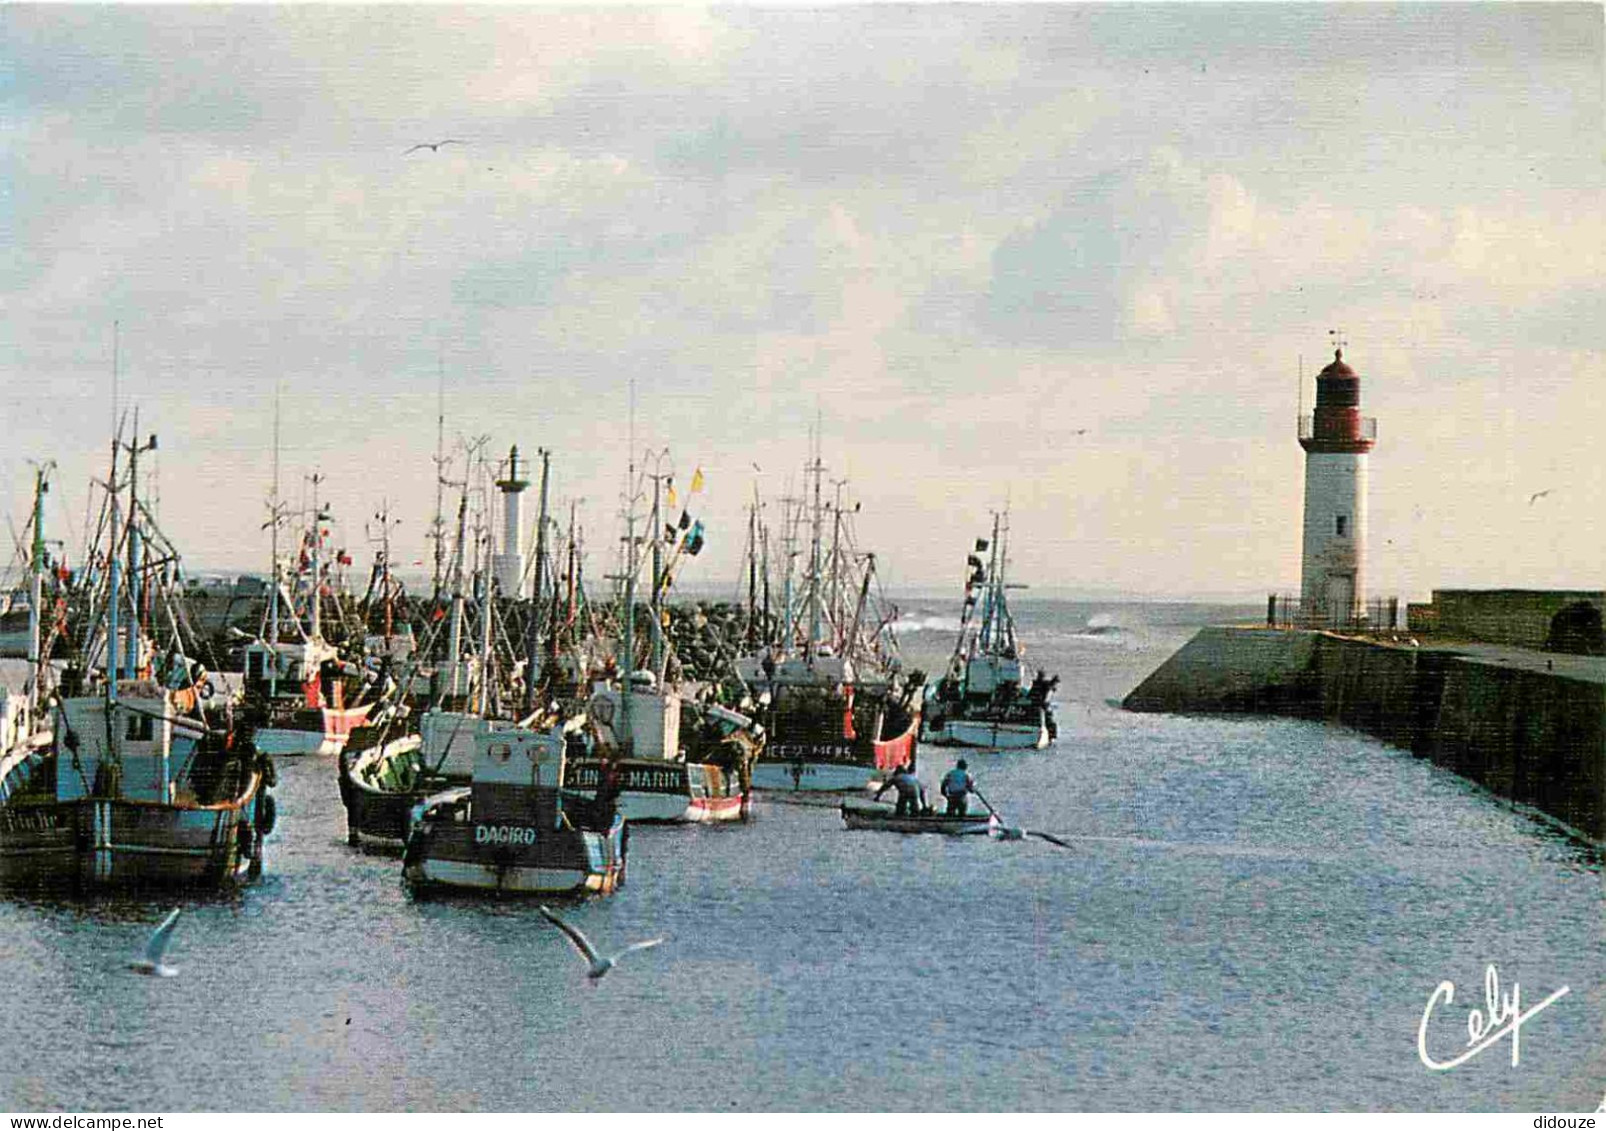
151,963
599,964
1537,495
1000,831
435,146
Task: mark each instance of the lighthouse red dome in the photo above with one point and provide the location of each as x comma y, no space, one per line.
1338,367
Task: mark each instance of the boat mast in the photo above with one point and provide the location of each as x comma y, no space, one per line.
817,469
36,585
438,527
764,570
1006,622
655,606
114,659
273,593
532,635
132,651
627,636
487,605
752,570
317,559
455,640
835,592
989,610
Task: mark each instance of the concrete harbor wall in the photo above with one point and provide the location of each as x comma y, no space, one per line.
1527,726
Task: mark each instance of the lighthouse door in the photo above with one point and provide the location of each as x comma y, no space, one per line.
1340,599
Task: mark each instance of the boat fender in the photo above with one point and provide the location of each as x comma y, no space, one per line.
267,814
270,772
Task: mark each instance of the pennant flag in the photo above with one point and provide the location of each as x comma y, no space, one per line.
685,520
981,545
672,500
671,533
694,540
697,481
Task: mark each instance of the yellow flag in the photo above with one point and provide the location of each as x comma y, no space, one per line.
696,481
672,502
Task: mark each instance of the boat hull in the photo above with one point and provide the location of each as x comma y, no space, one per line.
987,734
324,730
377,817
513,859
815,767
110,844
656,792
883,820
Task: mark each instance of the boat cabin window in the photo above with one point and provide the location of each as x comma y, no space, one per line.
140,728
1343,526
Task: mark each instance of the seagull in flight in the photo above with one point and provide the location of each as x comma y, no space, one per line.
599,965
435,146
151,963
1000,831
1537,495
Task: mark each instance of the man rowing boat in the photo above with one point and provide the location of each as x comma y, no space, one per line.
911,794
956,787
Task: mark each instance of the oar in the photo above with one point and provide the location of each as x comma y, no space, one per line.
1002,830
1006,831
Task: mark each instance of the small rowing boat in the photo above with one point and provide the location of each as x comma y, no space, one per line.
886,819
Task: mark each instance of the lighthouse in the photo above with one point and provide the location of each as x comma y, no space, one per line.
509,564
1336,439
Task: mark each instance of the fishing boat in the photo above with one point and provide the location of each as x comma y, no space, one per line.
138,781
301,695
514,830
657,747
838,710
668,760
403,757
884,818
984,701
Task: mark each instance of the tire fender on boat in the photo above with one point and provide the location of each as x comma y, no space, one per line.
267,814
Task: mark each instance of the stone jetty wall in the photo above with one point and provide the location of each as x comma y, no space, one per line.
1526,733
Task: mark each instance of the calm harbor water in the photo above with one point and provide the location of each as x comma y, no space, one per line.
1253,915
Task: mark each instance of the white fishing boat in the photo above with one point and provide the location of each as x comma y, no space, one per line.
984,700
661,755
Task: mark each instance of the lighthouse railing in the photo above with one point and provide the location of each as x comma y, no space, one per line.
1380,614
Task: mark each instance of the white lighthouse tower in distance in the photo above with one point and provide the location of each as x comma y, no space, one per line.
508,566
1336,439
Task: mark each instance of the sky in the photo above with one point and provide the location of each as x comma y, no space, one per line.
1072,259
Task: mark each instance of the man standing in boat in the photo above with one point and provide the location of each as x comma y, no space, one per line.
911,794
957,785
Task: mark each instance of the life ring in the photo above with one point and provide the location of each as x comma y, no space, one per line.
267,814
